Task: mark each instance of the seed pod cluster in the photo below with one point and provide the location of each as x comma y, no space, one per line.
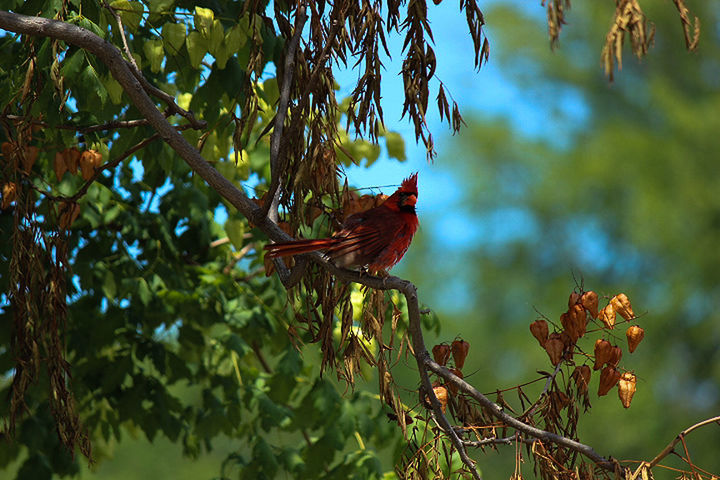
70,159
618,305
458,349
561,345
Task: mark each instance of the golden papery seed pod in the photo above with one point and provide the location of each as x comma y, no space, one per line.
554,348
460,350
578,318
621,305
589,300
609,376
634,335
87,165
607,316
539,330
442,395
457,373
573,300
9,194
626,388
581,375
603,353
441,353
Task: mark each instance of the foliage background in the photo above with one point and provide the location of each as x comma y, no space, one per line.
616,184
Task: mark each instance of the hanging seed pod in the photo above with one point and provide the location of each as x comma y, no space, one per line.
441,353
453,388
603,353
589,300
72,159
68,214
621,305
634,335
442,395
581,375
626,388
29,158
459,352
554,348
578,319
607,316
539,330
87,165
615,356
9,194
59,166
568,345
573,300
609,376
568,326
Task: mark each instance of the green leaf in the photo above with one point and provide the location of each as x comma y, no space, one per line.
227,170
204,18
113,88
196,47
222,55
109,287
173,35
263,454
143,291
235,229
91,80
216,37
159,7
71,66
130,13
236,38
395,146
270,90
154,53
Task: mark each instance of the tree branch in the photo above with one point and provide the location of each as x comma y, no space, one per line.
680,436
512,422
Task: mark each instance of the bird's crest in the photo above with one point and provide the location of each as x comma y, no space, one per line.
409,185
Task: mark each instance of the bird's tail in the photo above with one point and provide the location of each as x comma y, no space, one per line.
297,247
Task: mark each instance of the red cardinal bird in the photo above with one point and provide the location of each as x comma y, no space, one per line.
375,239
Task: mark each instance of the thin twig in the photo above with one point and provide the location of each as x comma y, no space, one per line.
113,125
237,257
152,89
671,446
121,29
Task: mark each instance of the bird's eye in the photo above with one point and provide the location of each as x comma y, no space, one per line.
408,199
